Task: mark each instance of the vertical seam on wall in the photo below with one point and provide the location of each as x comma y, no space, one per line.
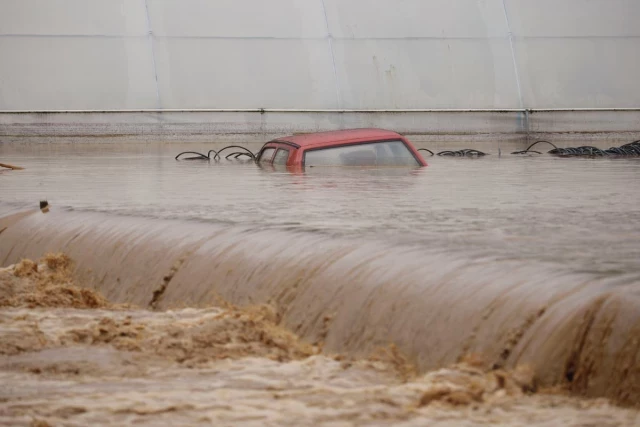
153,53
333,58
513,53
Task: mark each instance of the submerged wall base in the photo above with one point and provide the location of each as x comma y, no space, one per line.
574,127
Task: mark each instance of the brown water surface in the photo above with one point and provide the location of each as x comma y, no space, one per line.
529,262
580,213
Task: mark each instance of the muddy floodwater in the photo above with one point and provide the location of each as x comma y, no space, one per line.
579,213
502,290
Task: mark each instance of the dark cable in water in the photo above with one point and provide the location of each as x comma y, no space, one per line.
200,156
244,154
216,154
626,150
630,149
426,149
531,146
467,152
237,154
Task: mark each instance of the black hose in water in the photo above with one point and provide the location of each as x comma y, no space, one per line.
216,154
467,152
248,152
426,149
626,150
237,154
200,156
631,149
532,145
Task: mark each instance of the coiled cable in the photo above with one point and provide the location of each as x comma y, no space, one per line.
216,154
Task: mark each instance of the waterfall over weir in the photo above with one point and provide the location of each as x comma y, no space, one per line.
358,295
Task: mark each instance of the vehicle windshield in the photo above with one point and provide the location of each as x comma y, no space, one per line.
383,153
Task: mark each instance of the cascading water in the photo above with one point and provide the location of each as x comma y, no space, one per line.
358,295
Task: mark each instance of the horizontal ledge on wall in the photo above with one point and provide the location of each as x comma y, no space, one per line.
320,38
284,110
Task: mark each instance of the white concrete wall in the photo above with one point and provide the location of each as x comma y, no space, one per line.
577,53
75,54
318,54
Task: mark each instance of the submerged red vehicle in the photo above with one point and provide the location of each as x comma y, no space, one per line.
353,147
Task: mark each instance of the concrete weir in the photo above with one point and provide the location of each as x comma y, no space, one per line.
355,296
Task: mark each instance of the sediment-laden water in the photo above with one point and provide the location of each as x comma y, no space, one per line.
68,356
470,270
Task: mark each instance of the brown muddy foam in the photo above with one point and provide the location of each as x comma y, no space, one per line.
229,365
353,297
67,381
47,283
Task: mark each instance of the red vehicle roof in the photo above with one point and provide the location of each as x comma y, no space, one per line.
318,140
337,136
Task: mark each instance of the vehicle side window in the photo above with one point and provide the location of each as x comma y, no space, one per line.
266,155
282,155
376,153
